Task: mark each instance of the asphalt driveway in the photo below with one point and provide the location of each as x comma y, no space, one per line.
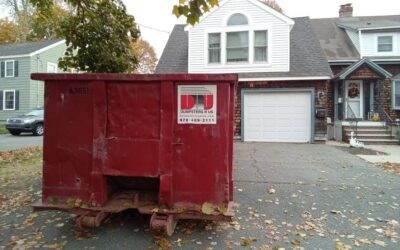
288,196
10,142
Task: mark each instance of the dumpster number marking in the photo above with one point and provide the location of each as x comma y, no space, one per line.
197,104
79,91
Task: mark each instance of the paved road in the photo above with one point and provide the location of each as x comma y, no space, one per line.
315,196
10,142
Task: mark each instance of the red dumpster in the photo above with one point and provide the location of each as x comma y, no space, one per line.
161,144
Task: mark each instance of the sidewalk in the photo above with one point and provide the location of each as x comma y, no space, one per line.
383,153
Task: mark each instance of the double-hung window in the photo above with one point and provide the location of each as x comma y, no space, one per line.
9,68
9,99
237,43
260,46
396,94
385,43
237,46
214,48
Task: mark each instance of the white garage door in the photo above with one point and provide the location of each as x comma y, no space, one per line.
277,116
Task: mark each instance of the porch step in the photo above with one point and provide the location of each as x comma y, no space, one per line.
382,131
380,141
361,136
371,135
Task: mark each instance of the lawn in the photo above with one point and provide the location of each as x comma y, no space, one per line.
3,129
19,169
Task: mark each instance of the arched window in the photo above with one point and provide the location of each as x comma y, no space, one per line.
237,19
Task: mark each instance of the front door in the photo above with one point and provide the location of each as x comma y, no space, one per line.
354,96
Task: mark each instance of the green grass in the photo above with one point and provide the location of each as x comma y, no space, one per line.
3,129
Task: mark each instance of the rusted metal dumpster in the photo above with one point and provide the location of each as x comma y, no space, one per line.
161,144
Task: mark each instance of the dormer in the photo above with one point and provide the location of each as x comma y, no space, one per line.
373,38
240,36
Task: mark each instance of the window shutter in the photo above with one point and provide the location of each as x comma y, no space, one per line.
15,68
2,69
17,100
1,99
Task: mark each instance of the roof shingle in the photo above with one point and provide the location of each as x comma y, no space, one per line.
24,48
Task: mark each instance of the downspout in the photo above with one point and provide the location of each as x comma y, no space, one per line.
37,82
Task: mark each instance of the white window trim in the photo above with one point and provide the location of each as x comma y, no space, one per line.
5,68
251,63
49,64
377,44
393,95
4,99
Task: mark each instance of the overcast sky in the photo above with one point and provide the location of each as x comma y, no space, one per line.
155,18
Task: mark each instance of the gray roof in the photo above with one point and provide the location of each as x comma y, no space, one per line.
307,58
24,48
174,58
334,40
369,24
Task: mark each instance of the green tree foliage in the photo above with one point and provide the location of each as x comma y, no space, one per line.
193,9
98,36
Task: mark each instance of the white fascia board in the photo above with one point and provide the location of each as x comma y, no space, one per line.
380,28
352,61
294,78
259,4
12,57
270,10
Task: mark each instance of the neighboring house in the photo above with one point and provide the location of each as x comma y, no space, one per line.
289,79
364,55
18,93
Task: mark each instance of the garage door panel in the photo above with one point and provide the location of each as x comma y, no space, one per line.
277,116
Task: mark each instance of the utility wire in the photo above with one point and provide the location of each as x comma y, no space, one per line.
152,28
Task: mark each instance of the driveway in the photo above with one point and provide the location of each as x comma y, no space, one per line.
292,196
10,142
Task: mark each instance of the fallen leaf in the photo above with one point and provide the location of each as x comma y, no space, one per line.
207,208
380,243
295,242
341,246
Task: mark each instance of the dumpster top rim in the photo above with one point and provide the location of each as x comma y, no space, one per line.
135,77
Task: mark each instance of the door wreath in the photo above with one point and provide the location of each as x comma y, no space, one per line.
353,91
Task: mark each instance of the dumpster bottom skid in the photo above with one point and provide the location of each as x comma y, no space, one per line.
146,202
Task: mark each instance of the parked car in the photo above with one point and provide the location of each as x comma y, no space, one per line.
30,122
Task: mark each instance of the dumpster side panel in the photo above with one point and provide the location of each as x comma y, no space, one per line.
68,140
133,129
201,160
